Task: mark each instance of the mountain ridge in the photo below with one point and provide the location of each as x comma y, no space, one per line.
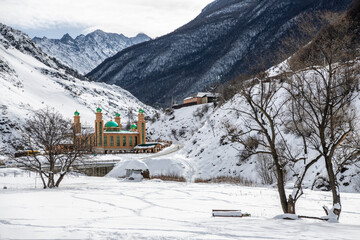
223,41
85,52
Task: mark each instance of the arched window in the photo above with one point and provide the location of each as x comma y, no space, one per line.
100,133
96,133
143,132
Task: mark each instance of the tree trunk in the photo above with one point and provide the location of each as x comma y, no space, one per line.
334,189
291,205
60,179
280,185
42,179
51,180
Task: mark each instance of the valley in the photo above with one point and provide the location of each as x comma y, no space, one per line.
251,106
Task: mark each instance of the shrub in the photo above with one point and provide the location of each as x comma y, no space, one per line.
169,177
239,180
264,168
200,112
168,111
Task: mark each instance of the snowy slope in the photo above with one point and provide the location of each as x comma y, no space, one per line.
200,129
28,84
181,124
208,152
85,52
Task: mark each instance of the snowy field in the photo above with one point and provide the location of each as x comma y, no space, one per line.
110,208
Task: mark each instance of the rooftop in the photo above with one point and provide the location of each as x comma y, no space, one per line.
201,95
120,132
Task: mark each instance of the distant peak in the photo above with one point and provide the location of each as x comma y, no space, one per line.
79,37
66,38
97,31
37,38
142,35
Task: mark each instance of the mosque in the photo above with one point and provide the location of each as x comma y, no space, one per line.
111,138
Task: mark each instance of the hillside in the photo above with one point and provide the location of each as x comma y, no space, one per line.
30,80
223,41
209,151
85,52
225,140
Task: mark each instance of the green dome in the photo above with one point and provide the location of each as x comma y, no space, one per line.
117,115
76,113
111,124
98,109
141,111
133,126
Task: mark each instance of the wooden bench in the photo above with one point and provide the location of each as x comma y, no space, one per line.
229,213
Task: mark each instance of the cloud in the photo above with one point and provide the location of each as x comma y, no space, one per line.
153,17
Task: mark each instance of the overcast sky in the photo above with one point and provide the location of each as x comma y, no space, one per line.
54,18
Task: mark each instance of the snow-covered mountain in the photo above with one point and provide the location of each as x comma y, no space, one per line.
30,80
85,52
222,42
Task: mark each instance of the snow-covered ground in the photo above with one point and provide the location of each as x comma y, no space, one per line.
110,208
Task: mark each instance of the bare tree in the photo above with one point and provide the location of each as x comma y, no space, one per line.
322,83
50,133
130,117
262,110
